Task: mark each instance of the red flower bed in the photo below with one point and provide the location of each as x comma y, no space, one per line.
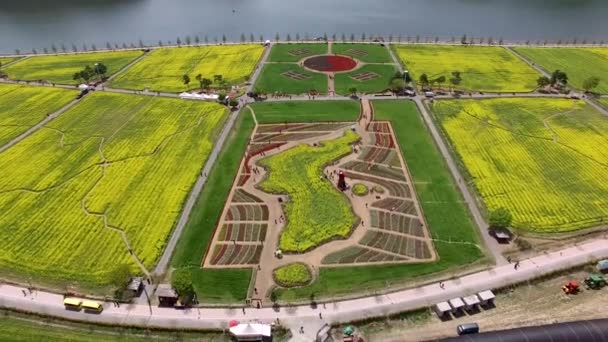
330,63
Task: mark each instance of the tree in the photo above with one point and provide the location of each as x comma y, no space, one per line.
243,38
423,80
206,39
261,39
197,40
390,38
417,38
63,48
591,83
463,40
325,36
297,36
343,38
251,38
440,80
119,278
101,69
559,77
543,81
34,51
352,37
141,44
93,47
206,83
54,48
199,78
233,103
74,48
17,52
288,38
500,218
500,41
178,41
108,46
221,98
124,45
218,78
352,91
186,80
363,37
277,37
188,41
455,79
160,43
224,38
333,37
181,281
397,85
436,40
45,50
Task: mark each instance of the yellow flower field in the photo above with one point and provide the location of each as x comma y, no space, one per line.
133,159
483,68
578,63
61,68
543,159
6,60
163,69
21,107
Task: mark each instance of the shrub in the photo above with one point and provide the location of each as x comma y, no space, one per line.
360,189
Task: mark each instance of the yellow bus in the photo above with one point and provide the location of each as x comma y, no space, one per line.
92,306
72,304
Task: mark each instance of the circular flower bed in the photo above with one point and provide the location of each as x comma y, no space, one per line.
330,63
296,274
360,189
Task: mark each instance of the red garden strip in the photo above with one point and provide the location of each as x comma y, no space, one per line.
330,63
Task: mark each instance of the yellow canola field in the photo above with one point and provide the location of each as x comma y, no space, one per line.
133,159
543,159
22,107
483,68
163,69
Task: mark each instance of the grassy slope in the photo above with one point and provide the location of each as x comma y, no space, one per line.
16,327
60,68
508,148
163,69
578,63
482,68
317,111
280,52
343,81
376,53
445,213
6,60
201,225
271,80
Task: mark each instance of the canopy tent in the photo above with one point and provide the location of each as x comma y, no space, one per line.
442,308
602,265
83,87
204,97
250,331
486,297
456,303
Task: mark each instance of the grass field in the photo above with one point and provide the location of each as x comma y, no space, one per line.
295,52
316,211
446,215
61,68
163,69
16,327
604,102
204,218
368,53
272,79
296,274
540,158
344,81
578,63
22,107
131,159
482,68
317,111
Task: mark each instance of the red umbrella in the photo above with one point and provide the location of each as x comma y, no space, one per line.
233,323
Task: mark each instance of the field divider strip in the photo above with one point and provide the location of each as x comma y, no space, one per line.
126,67
397,233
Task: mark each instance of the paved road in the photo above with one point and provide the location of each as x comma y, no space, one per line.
307,316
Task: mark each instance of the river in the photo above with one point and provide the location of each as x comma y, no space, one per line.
28,24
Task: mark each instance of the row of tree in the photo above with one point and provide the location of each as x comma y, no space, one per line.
455,80
196,40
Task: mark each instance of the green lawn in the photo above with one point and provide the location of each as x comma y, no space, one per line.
482,68
295,52
16,327
375,52
444,210
578,63
272,80
203,220
6,60
61,68
343,81
317,111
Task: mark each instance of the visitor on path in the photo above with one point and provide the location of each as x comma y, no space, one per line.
516,266
441,285
509,259
320,316
243,311
255,290
301,329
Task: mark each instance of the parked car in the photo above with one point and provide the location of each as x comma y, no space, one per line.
467,329
429,94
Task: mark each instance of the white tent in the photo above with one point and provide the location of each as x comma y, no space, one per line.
83,86
250,331
190,96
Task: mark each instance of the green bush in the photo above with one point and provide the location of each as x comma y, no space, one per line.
296,274
360,189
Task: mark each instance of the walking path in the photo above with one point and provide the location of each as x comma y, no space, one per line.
307,316
126,67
